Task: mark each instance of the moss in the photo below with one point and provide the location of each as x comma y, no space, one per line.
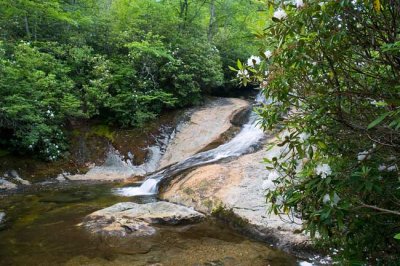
102,131
204,184
208,203
228,216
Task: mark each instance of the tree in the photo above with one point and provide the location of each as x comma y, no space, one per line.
332,74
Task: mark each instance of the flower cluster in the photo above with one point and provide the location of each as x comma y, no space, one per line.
323,170
253,61
280,14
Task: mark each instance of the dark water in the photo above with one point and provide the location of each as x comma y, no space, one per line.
41,229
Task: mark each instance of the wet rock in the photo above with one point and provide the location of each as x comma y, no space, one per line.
61,178
132,219
7,185
14,174
204,127
23,181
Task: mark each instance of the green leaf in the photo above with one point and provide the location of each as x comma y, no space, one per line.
322,145
397,236
239,64
378,120
232,68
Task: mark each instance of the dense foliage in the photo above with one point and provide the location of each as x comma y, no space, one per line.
332,71
120,62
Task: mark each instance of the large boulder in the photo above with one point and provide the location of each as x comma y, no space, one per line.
133,219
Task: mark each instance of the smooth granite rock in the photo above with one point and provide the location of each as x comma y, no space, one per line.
132,219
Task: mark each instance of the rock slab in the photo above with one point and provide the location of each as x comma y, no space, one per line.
238,187
133,219
205,126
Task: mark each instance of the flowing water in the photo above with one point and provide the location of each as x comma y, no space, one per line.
246,141
40,227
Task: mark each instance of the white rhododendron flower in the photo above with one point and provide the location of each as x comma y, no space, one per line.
243,73
280,14
268,54
323,170
253,61
273,175
299,3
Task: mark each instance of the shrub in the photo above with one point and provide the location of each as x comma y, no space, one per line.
332,74
36,95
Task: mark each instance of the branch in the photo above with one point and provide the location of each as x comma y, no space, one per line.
380,209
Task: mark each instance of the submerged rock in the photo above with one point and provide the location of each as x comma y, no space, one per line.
132,219
7,185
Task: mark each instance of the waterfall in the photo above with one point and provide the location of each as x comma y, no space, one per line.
246,141
148,187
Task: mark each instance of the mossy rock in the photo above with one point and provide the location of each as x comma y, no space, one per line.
228,216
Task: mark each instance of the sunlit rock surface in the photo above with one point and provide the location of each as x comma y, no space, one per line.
205,127
238,186
133,219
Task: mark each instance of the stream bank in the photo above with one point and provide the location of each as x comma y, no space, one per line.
227,181
221,176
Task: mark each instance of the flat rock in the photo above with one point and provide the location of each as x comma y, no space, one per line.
132,219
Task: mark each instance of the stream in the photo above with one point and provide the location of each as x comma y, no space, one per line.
40,225
246,141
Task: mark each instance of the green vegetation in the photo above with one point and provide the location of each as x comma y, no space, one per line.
332,71
119,62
